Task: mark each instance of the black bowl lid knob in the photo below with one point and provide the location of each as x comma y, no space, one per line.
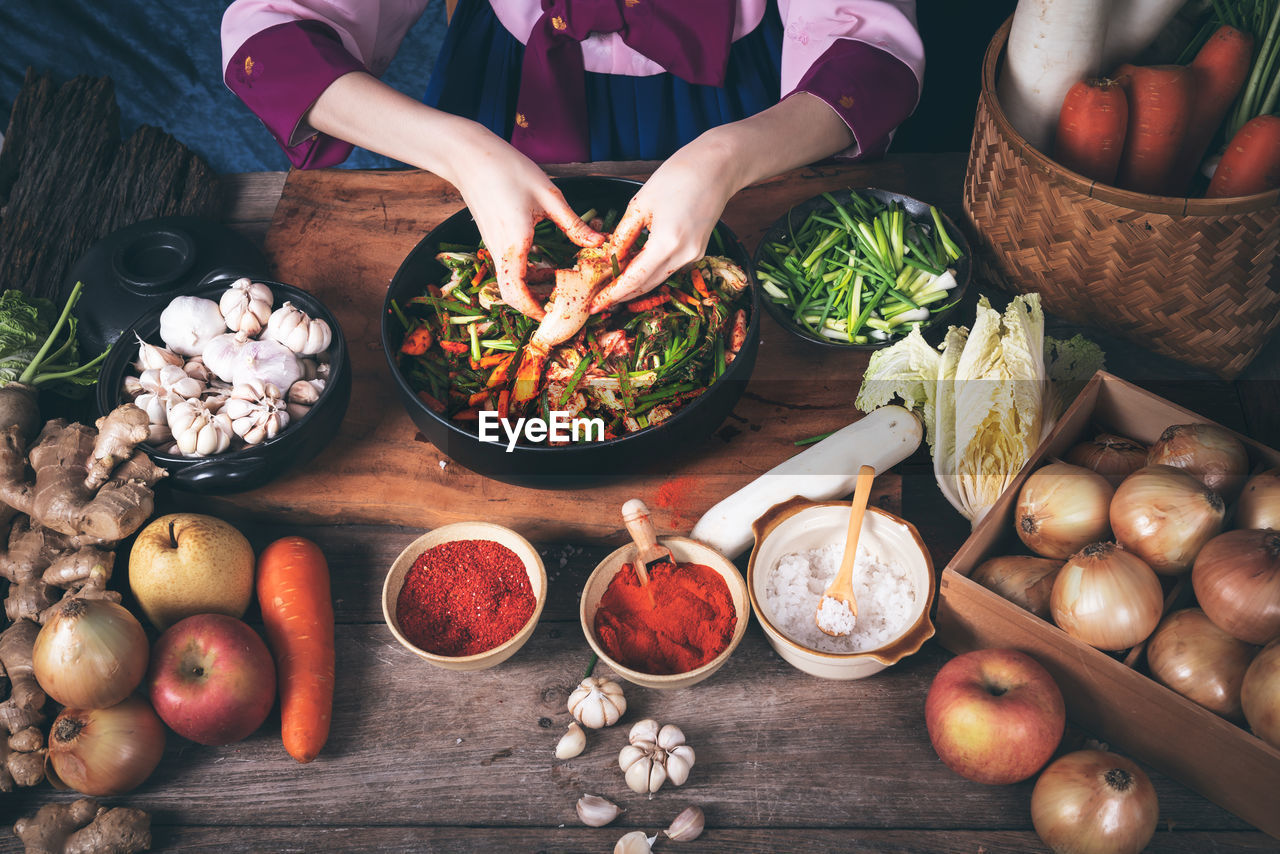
154,261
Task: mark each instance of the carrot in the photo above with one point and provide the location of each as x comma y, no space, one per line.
1091,129
455,346
1160,99
297,612
1251,162
417,342
1220,69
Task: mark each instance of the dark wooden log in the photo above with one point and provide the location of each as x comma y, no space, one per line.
67,179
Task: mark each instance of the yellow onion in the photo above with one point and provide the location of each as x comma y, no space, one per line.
1113,457
1061,509
90,654
1192,656
1261,694
1237,583
1024,581
1259,505
1165,515
105,751
1209,452
1091,802
1106,597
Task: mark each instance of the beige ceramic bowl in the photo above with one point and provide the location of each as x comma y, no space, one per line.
684,550
800,524
467,531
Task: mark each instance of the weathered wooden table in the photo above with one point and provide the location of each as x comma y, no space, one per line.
423,759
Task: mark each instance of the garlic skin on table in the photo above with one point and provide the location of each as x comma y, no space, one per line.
187,324
654,755
298,331
597,702
246,306
197,431
257,411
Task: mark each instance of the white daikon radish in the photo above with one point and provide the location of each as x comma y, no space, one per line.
829,469
1132,25
1053,44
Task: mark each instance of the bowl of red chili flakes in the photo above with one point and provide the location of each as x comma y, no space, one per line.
465,596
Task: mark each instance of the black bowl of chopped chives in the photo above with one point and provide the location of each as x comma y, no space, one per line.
858,269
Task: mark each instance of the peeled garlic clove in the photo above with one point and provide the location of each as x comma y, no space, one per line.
679,763
595,811
687,826
645,730
634,842
597,702
572,743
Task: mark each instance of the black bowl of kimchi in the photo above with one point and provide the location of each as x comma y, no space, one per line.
646,448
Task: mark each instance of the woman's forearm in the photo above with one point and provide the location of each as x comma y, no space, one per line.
794,132
364,111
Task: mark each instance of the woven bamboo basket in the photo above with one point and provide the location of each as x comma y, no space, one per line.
1194,279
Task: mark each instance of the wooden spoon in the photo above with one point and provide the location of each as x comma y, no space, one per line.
648,551
841,588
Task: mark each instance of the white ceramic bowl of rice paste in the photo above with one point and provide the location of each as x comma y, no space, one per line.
798,547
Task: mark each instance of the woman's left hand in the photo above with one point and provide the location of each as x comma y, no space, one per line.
679,205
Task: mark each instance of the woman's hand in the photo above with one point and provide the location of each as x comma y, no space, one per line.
679,205
505,191
508,195
684,198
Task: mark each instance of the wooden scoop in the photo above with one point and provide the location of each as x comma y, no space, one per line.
648,552
841,588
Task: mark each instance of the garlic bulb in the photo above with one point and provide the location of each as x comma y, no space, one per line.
187,324
198,432
256,410
267,362
171,382
150,356
246,307
597,702
298,331
595,811
654,755
572,743
219,354
687,826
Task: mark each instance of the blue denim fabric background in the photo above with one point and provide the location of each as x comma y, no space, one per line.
165,59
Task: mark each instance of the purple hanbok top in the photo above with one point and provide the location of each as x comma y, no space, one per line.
864,58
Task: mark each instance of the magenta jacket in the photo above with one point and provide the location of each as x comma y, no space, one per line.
864,58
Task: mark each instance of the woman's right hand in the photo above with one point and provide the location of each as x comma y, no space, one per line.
508,195
506,192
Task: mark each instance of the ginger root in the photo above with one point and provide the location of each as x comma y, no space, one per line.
22,759
85,827
26,698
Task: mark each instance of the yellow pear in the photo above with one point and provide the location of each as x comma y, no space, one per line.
186,563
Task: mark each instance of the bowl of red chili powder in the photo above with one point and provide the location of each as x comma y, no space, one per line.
675,631
465,596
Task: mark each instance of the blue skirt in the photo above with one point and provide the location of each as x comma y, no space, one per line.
477,75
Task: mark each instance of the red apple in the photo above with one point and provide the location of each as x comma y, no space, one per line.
212,679
994,715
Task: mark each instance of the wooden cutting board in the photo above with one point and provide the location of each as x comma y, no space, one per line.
342,234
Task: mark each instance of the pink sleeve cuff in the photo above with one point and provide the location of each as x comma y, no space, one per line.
870,89
279,73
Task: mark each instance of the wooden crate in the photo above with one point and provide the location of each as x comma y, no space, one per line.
1127,709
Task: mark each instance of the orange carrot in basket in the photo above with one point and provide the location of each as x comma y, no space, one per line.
1251,162
1091,129
1220,70
1159,112
297,613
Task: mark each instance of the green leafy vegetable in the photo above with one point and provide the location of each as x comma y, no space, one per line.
987,399
38,345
